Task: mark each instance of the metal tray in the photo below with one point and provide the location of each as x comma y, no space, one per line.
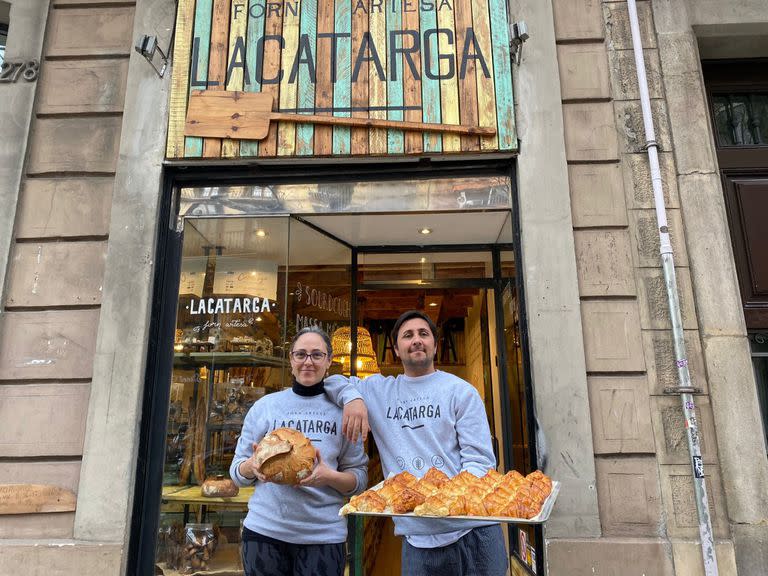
540,518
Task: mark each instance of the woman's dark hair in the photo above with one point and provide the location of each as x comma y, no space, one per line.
405,316
314,330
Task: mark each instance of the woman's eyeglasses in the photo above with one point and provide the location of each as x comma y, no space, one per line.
314,356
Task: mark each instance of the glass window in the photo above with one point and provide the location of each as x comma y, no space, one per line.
407,195
247,285
741,119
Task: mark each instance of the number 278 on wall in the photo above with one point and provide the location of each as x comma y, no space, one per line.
11,70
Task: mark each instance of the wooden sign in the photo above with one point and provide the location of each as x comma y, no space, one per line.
426,62
35,499
246,116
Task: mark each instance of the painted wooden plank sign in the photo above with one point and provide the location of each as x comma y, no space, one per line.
427,62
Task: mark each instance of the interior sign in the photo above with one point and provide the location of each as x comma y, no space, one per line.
229,306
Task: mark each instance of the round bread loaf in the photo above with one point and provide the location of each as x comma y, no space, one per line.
285,456
219,487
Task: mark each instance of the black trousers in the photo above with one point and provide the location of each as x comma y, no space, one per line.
264,556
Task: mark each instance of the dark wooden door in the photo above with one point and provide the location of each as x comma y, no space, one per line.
737,92
746,199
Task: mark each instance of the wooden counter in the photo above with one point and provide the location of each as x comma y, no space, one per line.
192,495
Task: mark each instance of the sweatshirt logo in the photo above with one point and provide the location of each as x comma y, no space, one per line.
411,413
307,426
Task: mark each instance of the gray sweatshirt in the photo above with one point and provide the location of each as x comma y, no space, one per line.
434,420
299,515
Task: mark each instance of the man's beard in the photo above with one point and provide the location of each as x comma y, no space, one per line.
410,362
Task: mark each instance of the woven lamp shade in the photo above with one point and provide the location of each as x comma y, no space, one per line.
366,357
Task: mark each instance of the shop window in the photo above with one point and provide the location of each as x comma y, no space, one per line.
260,262
247,286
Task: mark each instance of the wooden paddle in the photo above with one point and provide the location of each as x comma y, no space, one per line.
246,116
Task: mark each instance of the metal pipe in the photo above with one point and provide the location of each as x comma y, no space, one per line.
684,388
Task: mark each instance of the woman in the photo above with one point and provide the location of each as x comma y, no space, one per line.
296,530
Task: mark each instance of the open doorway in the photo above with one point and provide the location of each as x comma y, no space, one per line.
469,292
257,263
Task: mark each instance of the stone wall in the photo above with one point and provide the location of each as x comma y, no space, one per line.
79,276
644,483
57,255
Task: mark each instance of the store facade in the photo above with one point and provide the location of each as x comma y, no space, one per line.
191,260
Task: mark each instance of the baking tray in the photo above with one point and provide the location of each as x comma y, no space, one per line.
540,518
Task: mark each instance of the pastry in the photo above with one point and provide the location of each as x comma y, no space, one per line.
509,495
368,501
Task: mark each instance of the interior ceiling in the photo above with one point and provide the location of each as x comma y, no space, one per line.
403,229
237,236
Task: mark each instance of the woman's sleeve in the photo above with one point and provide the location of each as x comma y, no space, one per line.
254,429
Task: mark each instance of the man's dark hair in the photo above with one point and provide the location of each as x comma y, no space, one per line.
405,316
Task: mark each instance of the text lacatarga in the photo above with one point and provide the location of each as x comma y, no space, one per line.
230,306
307,426
413,412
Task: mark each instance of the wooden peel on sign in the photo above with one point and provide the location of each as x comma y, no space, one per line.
35,498
246,116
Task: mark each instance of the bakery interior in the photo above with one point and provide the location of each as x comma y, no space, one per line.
333,271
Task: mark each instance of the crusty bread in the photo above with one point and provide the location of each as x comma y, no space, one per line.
285,456
219,487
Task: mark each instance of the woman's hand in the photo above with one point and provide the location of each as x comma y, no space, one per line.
323,475
250,470
354,422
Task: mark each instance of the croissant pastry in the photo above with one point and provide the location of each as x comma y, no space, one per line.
508,495
368,501
436,477
405,500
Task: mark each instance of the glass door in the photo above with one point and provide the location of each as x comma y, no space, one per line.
247,285
526,541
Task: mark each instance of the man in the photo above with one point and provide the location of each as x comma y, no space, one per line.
423,418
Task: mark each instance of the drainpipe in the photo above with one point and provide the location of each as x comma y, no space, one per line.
684,388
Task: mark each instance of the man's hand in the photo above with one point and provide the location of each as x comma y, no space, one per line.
354,423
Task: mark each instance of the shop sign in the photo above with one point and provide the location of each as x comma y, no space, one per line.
427,61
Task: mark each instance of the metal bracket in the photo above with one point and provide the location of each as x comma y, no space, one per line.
676,390
518,34
147,46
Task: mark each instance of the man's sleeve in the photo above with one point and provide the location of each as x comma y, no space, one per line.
253,431
354,460
341,390
474,434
